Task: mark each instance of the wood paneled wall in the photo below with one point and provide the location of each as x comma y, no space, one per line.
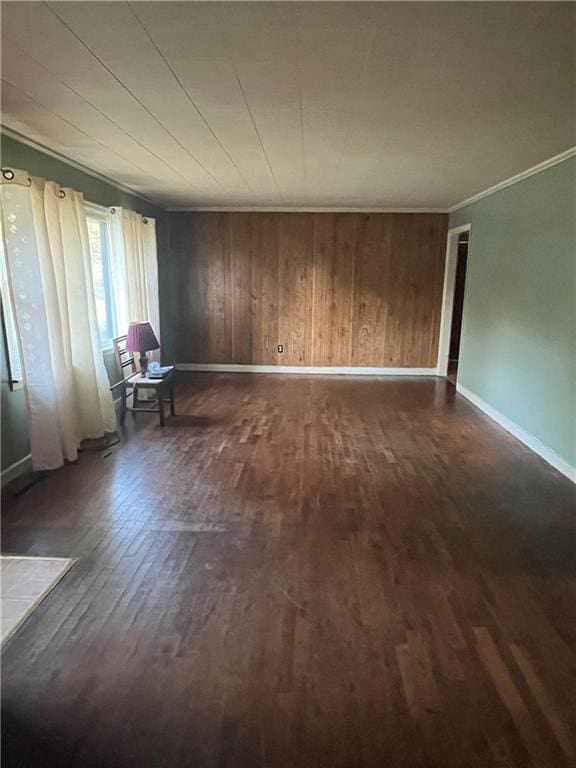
342,289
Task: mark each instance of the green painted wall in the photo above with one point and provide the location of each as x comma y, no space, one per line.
14,154
15,444
518,349
14,434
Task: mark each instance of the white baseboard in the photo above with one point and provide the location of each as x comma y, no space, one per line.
304,369
549,455
15,470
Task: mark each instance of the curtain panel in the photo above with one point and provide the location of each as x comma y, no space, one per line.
134,269
50,280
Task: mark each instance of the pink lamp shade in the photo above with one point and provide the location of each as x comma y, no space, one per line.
141,338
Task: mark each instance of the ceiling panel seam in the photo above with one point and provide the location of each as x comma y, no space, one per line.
257,132
145,108
189,98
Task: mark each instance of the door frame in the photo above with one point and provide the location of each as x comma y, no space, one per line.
448,297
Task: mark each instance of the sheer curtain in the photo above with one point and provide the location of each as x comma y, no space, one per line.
50,276
135,269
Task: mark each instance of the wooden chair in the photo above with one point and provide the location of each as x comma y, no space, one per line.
124,359
132,381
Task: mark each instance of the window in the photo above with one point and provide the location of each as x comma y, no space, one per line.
10,337
99,238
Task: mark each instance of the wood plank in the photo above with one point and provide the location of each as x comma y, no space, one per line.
369,310
511,698
241,255
265,290
545,700
283,576
295,247
298,571
333,289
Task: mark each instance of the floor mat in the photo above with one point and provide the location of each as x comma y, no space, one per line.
25,582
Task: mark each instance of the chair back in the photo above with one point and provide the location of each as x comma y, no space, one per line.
124,359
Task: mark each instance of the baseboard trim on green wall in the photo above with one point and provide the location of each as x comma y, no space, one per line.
529,440
19,467
306,369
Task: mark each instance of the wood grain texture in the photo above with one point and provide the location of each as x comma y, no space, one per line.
344,289
333,302
299,571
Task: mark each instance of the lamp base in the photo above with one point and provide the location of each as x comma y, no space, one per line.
143,364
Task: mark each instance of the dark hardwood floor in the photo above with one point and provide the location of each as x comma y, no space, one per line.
300,572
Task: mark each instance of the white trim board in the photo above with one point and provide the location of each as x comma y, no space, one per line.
285,209
546,453
515,179
305,370
450,264
19,467
299,209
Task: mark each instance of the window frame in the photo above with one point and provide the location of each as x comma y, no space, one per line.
8,323
102,216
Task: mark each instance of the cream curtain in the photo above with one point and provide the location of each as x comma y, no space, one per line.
135,269
50,275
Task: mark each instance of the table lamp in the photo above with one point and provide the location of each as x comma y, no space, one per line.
141,338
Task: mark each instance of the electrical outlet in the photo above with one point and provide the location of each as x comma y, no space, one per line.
280,347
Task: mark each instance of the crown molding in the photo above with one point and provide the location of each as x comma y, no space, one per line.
192,209
284,209
299,209
515,179
78,166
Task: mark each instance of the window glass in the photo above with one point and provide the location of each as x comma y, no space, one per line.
100,255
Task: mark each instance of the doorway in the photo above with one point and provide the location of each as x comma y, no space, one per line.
457,307
453,302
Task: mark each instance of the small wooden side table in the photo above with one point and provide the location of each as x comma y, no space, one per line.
164,389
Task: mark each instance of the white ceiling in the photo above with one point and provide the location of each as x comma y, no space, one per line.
346,104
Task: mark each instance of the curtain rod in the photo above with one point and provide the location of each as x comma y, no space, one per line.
144,219
9,175
17,176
